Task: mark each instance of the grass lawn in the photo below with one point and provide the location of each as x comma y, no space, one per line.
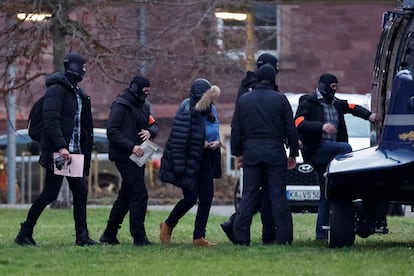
390,254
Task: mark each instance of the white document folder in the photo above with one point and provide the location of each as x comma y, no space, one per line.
72,168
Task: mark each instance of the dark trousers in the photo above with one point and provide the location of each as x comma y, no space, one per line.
132,197
79,188
265,208
272,179
203,190
319,160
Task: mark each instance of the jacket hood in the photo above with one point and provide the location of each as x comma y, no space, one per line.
208,98
58,78
249,80
128,98
198,88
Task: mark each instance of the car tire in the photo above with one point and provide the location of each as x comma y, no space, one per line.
341,223
108,185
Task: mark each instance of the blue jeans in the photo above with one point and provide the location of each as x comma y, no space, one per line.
320,160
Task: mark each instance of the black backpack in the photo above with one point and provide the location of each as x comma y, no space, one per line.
34,124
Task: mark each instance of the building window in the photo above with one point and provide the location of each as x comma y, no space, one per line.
232,29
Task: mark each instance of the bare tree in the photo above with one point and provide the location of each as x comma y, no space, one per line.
171,42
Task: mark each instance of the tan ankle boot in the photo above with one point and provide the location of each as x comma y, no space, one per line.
165,233
203,242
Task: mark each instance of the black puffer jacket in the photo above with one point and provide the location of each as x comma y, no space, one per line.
309,119
185,145
59,109
128,116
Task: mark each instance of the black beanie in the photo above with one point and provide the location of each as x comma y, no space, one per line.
266,72
267,58
73,64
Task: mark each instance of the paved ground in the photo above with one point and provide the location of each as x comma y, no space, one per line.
222,210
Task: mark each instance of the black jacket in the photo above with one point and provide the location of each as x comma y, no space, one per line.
249,82
309,119
184,149
262,124
58,112
127,117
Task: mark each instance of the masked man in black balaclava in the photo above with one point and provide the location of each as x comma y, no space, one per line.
247,85
130,123
327,86
74,68
67,129
321,128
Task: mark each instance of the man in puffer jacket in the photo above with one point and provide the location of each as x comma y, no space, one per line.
67,128
189,159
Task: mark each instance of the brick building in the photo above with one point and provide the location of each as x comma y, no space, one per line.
309,37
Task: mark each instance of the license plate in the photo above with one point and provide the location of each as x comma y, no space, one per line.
302,195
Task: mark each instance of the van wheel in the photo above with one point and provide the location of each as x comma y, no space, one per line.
341,223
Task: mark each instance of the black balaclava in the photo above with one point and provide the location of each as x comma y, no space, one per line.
266,72
324,86
136,86
73,64
267,58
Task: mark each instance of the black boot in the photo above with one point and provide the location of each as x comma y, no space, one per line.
142,241
82,238
24,237
109,235
227,228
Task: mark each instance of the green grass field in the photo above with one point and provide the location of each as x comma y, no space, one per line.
390,254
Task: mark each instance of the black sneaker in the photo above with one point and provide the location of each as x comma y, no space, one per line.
24,240
364,229
381,227
142,242
84,239
109,240
227,228
24,237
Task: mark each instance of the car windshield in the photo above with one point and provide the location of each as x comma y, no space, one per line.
357,127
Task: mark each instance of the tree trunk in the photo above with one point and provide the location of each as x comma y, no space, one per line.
58,36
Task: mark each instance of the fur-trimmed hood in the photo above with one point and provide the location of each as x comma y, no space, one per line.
208,98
